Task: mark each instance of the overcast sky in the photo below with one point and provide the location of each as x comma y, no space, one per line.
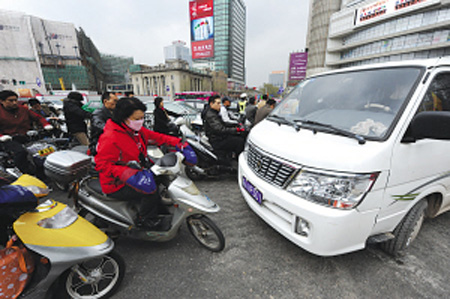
142,28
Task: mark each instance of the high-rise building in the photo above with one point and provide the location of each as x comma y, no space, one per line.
177,51
38,55
364,32
276,78
227,52
317,37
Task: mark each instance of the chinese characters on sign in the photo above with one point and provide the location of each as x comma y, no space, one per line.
373,11
202,28
297,66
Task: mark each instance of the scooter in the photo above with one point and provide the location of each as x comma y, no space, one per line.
210,163
72,258
184,201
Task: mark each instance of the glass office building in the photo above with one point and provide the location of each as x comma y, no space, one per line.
229,40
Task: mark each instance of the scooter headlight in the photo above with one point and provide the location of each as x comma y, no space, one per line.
38,191
62,219
337,190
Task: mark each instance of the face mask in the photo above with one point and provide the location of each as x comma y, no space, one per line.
135,124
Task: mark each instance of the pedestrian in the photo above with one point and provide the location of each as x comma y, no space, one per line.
263,101
75,116
250,111
242,103
262,112
226,114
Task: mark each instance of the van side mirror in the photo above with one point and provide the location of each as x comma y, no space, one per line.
429,124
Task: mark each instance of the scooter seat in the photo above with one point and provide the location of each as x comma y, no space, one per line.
94,184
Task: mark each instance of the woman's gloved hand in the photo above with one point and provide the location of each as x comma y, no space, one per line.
143,181
190,158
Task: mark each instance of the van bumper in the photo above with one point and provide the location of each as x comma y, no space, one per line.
331,231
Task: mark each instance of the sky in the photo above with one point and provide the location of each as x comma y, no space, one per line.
142,28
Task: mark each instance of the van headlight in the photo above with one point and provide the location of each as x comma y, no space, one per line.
334,189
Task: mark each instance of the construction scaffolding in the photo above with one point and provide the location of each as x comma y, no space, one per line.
70,74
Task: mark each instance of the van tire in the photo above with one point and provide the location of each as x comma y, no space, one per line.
407,230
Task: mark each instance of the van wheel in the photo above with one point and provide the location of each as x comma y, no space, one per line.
407,230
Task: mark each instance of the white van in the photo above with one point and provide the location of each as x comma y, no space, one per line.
354,156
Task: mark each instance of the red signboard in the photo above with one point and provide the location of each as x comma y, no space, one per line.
202,28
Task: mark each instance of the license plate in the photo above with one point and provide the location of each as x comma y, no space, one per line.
46,151
252,190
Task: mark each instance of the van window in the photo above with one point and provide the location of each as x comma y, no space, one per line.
364,102
437,97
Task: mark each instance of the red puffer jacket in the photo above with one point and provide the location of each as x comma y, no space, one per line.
120,144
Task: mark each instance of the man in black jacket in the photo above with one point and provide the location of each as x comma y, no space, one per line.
100,116
223,137
75,116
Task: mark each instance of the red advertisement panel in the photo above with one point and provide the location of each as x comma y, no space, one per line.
200,9
202,28
203,49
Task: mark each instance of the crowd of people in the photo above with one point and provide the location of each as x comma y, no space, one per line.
117,136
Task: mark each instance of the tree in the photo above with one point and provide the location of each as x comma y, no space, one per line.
270,89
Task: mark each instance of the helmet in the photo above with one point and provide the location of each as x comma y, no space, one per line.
243,95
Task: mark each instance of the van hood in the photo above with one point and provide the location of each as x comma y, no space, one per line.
321,150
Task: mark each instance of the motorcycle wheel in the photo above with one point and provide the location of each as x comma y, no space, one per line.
206,232
104,276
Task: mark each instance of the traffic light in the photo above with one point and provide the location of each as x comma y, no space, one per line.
22,82
14,81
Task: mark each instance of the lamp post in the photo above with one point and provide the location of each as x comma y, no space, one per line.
56,63
76,52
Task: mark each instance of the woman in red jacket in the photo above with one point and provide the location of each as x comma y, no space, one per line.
124,139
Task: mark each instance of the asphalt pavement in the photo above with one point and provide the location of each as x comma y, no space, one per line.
257,262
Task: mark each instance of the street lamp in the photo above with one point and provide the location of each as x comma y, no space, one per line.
56,63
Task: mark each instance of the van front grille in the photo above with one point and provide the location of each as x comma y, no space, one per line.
269,169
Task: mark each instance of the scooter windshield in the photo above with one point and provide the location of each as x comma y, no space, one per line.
367,103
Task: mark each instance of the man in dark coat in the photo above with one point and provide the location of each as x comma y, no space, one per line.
250,111
75,116
222,137
100,116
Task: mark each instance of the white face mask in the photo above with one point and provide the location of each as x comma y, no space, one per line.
135,124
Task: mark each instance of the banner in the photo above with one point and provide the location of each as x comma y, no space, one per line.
297,66
202,28
376,10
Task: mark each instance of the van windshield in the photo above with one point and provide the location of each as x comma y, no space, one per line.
366,103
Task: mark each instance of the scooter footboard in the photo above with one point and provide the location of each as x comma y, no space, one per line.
184,191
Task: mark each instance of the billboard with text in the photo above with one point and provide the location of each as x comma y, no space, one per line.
297,66
201,13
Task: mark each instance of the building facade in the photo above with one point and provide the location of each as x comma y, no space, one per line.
364,32
169,78
277,78
116,68
320,12
41,56
229,42
177,51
